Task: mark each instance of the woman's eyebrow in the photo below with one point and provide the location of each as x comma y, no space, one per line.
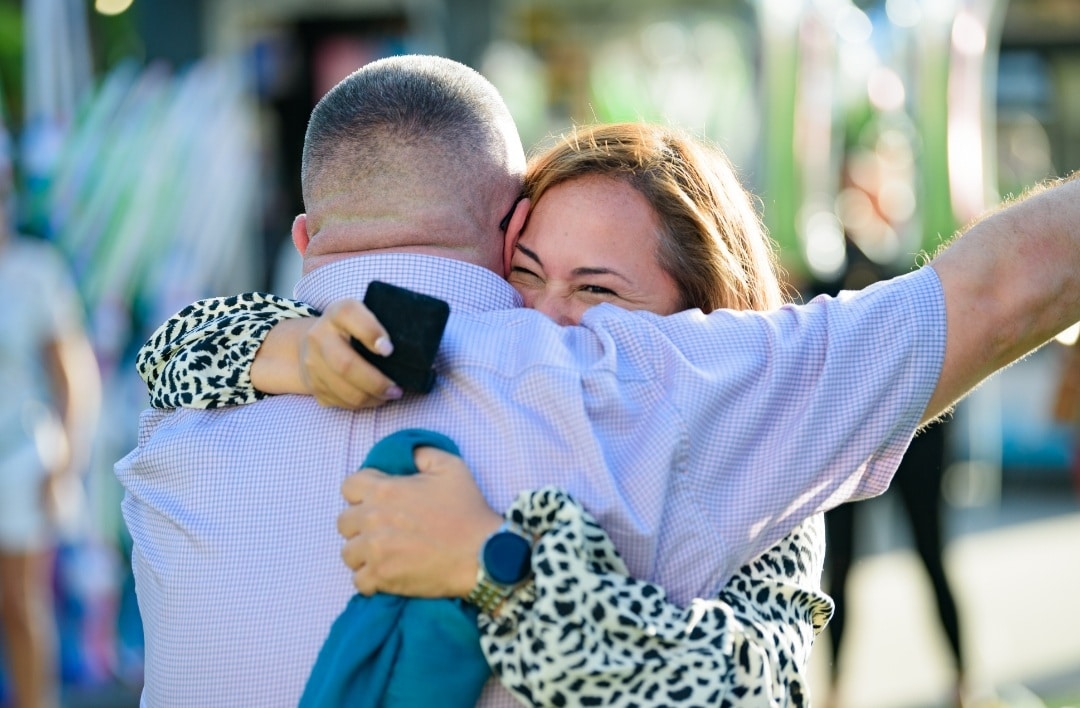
529,254
585,270
577,272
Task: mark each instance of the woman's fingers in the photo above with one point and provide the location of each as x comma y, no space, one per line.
353,554
434,461
354,319
331,368
415,535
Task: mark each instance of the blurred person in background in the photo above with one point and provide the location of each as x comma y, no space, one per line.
918,478
48,411
918,483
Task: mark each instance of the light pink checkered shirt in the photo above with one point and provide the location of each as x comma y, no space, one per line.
697,441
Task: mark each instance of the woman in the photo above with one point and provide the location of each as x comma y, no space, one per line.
631,215
47,417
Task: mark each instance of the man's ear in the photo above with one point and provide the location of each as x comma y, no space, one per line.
513,232
300,236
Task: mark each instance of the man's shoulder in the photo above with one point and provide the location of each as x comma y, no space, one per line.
150,419
267,413
275,432
510,335
514,344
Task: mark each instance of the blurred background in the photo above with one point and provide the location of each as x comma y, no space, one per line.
156,144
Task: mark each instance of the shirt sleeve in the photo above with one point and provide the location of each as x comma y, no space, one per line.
788,413
201,356
585,633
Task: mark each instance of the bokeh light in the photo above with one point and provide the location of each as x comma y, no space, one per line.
112,7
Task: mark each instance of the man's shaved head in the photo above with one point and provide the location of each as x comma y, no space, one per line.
410,151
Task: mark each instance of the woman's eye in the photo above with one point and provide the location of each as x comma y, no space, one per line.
523,276
598,290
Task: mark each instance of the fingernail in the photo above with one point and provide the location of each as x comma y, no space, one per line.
383,346
393,393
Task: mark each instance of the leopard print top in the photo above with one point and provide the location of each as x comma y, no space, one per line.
583,632
201,356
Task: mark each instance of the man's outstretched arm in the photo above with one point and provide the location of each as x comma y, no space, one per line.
1011,283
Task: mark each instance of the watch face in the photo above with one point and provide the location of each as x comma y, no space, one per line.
507,558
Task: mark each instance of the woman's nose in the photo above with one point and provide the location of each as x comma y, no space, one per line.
557,308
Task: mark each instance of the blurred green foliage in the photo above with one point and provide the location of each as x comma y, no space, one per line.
11,49
112,38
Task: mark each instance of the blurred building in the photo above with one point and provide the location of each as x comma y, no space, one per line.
707,65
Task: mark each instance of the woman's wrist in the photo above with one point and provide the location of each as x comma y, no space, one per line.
276,368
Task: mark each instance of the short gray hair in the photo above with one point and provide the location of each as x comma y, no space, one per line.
428,102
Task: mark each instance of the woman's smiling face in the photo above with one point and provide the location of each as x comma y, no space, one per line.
590,240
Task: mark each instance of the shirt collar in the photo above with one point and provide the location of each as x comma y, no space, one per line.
466,287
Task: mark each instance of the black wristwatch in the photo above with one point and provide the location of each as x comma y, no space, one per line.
505,562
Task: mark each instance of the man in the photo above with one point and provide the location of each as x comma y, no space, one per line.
411,163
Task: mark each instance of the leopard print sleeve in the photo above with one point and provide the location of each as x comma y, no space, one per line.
201,356
585,633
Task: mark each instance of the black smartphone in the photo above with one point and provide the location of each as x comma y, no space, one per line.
415,323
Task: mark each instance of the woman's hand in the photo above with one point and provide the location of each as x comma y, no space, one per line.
334,373
314,356
417,535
